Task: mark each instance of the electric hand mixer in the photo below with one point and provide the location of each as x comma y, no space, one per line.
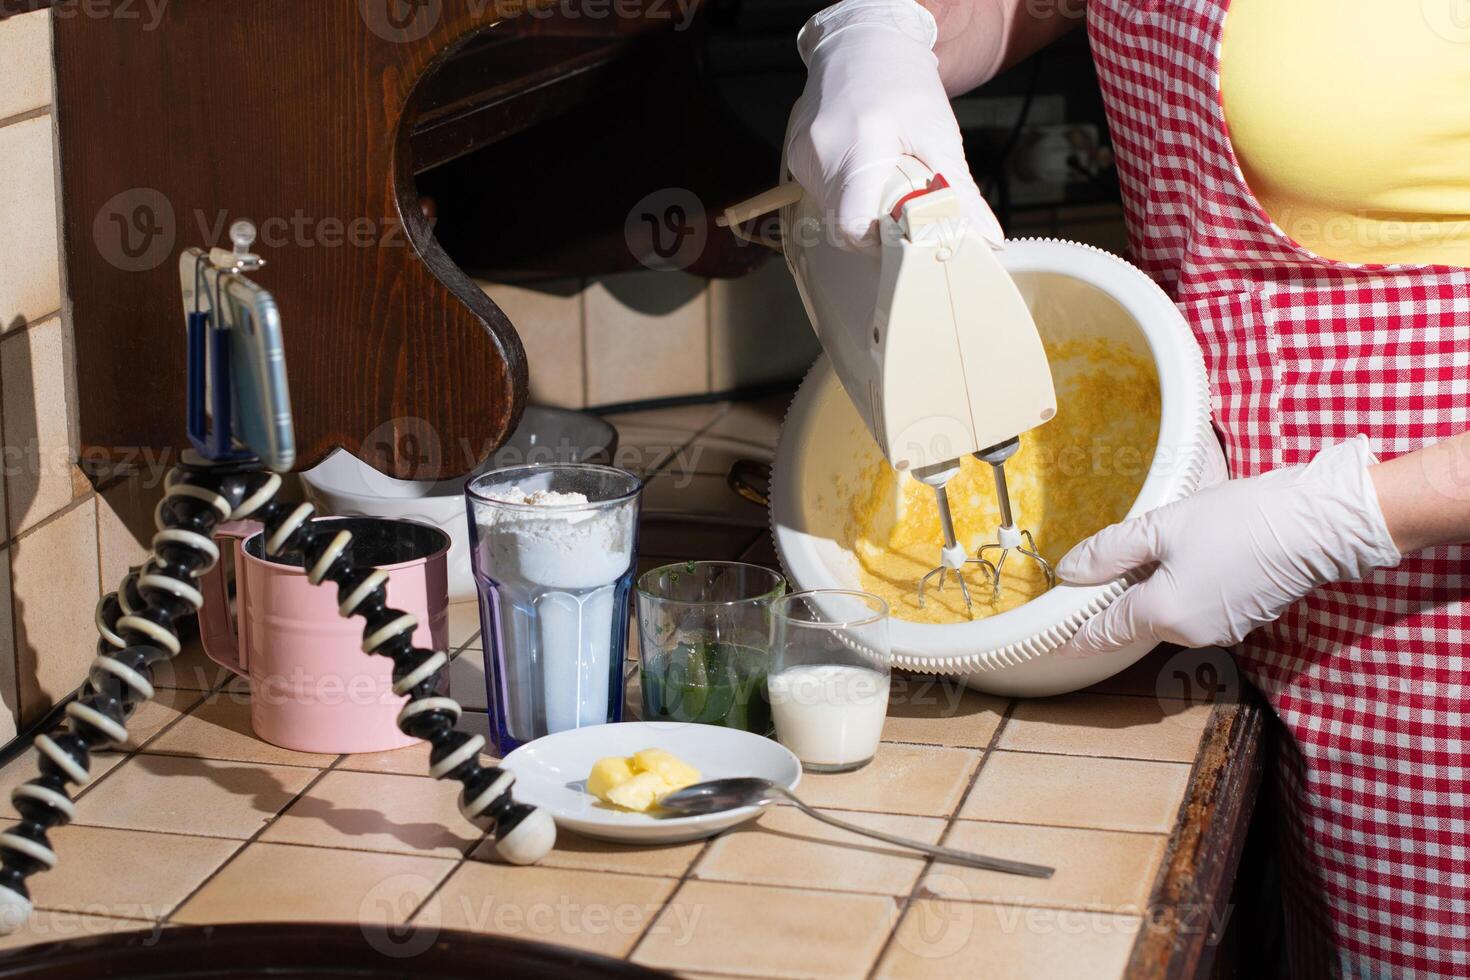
932,341
224,478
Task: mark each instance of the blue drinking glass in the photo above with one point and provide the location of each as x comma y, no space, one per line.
553,548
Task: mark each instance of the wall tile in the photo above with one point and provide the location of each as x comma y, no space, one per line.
759,331
53,573
548,318
9,703
30,265
38,461
125,527
25,51
647,337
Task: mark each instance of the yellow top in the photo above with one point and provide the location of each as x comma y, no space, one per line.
1351,122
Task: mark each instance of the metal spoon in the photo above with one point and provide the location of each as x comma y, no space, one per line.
728,794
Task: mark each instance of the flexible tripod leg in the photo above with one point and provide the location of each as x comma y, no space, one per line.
137,627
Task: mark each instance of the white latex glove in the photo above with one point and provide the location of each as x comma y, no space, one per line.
1235,556
873,94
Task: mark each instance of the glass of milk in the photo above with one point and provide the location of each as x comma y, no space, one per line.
553,548
829,676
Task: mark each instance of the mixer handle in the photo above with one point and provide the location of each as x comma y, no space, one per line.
737,215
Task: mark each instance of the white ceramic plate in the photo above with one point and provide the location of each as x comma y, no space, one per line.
551,772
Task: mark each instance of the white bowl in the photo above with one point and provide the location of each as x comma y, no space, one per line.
1072,290
551,773
343,485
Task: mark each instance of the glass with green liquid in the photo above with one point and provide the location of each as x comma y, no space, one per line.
704,628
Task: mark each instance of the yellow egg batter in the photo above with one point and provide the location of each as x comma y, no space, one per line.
1071,477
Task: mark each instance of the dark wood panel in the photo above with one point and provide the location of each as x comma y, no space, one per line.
297,116
1190,906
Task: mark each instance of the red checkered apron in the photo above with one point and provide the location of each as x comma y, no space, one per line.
1369,679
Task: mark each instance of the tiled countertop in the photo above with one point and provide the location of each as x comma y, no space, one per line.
200,822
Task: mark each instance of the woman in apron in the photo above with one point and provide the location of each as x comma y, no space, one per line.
1319,247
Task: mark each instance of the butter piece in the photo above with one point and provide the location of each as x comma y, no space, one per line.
639,781
672,770
639,793
607,774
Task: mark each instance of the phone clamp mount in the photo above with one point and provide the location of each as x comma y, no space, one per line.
224,479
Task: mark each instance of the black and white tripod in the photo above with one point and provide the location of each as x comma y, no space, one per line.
137,630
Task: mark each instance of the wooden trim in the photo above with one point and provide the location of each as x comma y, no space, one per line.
1190,905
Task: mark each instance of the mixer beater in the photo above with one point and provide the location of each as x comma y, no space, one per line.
1009,537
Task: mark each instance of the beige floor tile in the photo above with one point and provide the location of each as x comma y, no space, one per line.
154,715
48,926
676,493
956,939
135,884
757,421
175,794
921,780
464,625
940,711
752,930
467,680
1072,791
1106,725
191,670
53,576
687,420
25,50
714,455
282,883
378,812
220,729
25,767
1095,869
602,913
585,854
410,761
649,439
30,276
787,847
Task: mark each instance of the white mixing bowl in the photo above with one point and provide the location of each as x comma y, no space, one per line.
1073,290
343,485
